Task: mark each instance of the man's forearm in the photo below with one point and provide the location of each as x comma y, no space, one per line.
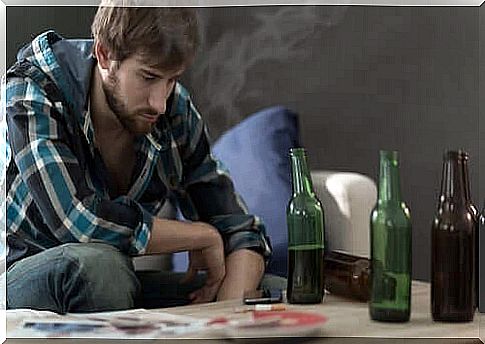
169,236
244,270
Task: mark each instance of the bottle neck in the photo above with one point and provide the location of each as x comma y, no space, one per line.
453,181
300,173
466,180
389,182
482,215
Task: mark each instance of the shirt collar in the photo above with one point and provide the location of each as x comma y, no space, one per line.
87,124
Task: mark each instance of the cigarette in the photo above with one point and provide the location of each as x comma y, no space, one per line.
262,307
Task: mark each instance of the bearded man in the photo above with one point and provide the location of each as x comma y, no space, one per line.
102,135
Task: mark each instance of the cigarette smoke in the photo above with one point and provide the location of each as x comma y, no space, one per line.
275,33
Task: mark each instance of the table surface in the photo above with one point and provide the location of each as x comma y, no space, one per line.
348,318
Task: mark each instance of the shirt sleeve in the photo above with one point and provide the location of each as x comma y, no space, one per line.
47,155
211,196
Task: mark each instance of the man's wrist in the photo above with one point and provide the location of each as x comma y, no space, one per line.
244,270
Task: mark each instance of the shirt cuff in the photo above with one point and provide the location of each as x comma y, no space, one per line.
243,231
142,233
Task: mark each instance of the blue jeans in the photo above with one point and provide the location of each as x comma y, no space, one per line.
95,277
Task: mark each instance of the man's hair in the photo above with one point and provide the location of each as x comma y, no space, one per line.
166,37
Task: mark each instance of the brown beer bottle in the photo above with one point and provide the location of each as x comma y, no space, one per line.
480,239
468,195
476,214
347,275
453,245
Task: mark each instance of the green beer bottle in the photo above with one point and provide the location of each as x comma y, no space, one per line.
390,247
305,235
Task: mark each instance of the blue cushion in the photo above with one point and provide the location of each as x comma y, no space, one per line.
256,154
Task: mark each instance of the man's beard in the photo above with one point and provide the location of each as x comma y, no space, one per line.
115,103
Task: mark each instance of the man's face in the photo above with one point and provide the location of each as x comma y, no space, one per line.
137,93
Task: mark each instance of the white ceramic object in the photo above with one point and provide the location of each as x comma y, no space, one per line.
348,199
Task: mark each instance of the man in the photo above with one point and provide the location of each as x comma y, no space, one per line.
102,135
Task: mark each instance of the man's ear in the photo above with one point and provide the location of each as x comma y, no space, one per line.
102,55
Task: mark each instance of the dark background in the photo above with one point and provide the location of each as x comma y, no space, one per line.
361,78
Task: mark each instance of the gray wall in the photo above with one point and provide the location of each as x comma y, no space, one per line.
24,23
361,78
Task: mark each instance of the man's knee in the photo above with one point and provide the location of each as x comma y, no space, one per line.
100,263
106,276
76,278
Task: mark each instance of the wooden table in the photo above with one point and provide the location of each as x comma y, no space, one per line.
349,322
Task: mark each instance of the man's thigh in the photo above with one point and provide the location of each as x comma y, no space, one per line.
73,278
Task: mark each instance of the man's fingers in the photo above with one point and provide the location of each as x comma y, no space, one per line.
196,297
189,275
207,293
203,295
215,276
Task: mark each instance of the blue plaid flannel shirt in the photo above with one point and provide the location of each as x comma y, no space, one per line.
57,184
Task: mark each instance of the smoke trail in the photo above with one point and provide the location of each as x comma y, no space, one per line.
278,35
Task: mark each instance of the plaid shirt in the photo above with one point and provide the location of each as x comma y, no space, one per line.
57,183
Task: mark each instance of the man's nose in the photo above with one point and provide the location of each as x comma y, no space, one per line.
158,98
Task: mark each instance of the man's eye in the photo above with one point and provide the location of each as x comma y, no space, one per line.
148,78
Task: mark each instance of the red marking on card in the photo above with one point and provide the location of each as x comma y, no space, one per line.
220,320
291,318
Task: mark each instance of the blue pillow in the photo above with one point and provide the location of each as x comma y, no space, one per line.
256,154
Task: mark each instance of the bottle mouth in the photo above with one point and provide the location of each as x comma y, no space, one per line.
456,154
297,151
464,154
389,155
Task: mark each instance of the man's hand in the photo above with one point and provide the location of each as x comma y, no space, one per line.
244,270
210,259
205,247
239,272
